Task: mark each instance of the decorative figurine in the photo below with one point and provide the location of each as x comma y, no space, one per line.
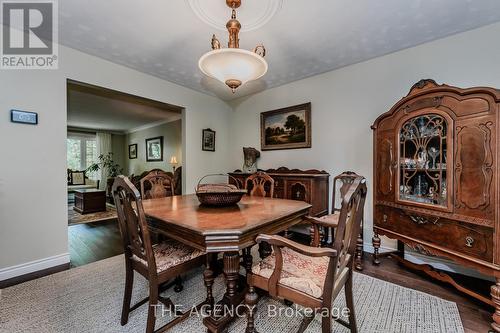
250,159
422,159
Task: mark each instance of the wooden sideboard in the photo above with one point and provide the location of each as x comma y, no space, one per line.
436,185
310,186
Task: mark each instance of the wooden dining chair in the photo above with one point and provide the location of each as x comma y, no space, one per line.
328,223
158,264
262,185
312,276
157,184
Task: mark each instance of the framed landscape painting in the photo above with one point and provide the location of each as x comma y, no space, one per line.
286,128
154,149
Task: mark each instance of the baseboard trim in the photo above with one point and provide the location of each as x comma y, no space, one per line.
34,266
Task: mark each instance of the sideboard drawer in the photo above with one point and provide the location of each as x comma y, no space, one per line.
473,240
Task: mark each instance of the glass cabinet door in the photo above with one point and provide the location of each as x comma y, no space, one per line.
422,160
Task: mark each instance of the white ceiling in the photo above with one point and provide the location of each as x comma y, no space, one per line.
166,38
114,112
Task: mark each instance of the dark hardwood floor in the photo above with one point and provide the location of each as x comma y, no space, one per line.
93,241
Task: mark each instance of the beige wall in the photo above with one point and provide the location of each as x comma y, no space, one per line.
345,103
33,210
172,146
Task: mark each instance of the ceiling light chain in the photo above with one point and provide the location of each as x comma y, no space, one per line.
228,66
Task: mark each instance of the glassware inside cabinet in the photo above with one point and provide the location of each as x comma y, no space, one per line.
422,163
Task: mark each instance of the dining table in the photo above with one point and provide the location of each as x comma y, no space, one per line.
227,230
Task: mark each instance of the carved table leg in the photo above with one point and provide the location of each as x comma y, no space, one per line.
208,277
265,250
248,259
495,296
231,272
376,246
358,257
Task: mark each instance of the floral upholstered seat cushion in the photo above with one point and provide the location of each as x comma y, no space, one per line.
171,253
300,272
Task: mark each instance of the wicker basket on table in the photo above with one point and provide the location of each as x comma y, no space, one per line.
218,195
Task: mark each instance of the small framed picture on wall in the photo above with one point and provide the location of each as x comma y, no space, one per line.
208,140
154,149
132,151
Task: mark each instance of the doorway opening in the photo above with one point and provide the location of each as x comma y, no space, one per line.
112,133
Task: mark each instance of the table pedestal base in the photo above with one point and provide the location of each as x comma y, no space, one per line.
230,305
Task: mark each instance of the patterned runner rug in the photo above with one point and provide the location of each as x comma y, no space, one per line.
89,299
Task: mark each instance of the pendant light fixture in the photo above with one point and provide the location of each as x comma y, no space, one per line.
232,65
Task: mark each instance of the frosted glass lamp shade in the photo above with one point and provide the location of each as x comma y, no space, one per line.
173,160
233,66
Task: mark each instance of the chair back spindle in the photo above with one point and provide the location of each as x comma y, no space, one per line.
259,180
161,185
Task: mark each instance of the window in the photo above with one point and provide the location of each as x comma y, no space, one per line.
81,150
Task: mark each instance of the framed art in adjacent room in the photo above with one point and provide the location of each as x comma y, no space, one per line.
132,151
208,140
286,128
154,149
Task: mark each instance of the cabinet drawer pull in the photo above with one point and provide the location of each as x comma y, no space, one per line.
421,220
469,241
385,218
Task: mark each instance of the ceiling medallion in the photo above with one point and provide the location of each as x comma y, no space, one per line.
255,14
232,65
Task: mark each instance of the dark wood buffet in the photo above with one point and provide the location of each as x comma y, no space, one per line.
436,184
310,186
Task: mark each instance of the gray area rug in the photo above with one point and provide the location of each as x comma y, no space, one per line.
89,299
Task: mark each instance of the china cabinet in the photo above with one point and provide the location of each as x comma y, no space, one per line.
436,185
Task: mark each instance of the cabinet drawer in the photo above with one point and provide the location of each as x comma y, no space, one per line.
464,238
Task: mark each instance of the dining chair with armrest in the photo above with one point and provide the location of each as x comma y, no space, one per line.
158,264
312,276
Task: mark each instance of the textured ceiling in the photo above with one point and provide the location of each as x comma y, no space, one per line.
166,38
114,112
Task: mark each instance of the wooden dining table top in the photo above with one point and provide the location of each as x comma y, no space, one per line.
182,217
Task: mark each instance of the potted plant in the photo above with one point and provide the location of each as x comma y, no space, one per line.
111,168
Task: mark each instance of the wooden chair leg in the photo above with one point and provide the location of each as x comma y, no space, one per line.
305,323
248,259
208,278
178,284
350,303
326,324
127,296
153,302
251,300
